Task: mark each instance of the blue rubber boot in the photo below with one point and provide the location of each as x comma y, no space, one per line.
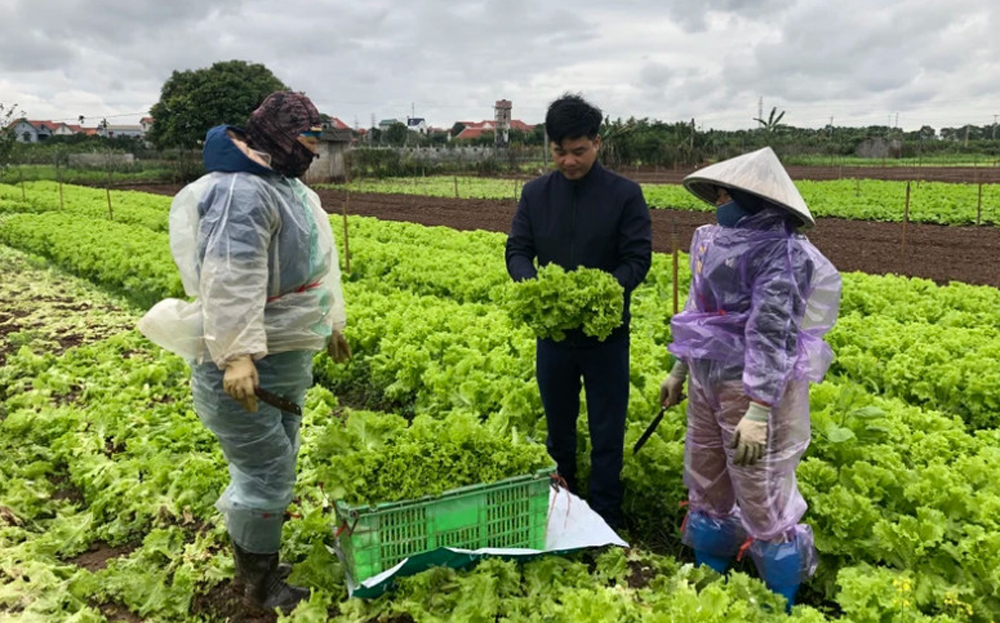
715,540
780,565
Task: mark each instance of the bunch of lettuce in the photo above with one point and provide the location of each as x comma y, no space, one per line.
374,458
558,301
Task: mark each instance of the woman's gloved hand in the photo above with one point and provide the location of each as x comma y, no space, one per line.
750,438
240,380
338,348
672,388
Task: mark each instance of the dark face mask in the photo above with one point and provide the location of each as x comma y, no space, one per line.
730,213
288,157
294,164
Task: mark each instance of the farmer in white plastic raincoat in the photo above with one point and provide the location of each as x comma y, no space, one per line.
750,341
255,248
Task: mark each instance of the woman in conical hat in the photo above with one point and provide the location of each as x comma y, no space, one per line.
748,343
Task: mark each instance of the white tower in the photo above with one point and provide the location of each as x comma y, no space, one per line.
502,110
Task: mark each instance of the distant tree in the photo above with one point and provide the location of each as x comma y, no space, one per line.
773,122
9,115
537,136
193,101
457,129
486,139
396,134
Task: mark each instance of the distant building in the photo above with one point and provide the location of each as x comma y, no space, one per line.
28,131
475,129
501,118
330,166
146,123
335,124
385,124
121,131
417,124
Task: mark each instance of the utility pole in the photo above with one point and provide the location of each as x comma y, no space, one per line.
896,125
995,127
760,107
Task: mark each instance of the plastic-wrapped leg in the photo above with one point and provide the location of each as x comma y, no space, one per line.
715,540
784,564
713,527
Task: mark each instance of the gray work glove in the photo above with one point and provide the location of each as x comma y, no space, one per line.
672,388
338,348
750,438
240,380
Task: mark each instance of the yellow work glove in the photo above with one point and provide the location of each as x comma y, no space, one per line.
750,438
672,388
240,380
338,348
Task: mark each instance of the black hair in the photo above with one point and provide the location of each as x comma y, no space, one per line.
571,116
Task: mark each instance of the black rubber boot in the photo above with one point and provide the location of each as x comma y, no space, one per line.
284,570
264,582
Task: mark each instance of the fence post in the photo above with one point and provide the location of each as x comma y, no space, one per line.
906,219
107,189
979,205
59,179
674,251
347,245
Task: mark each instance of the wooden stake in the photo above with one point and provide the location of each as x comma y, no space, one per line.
979,205
857,187
59,177
20,173
107,189
674,251
456,187
347,246
906,219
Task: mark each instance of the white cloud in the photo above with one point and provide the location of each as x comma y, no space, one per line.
932,62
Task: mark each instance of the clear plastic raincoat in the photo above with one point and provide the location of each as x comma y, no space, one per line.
256,251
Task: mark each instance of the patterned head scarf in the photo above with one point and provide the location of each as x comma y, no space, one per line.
275,126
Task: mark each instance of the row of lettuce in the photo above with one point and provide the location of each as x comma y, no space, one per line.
902,493
942,203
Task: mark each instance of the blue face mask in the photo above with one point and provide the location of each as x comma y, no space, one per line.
730,213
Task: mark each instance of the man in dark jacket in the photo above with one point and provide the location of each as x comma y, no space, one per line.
583,215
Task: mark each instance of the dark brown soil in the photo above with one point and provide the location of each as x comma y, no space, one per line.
117,612
66,490
224,602
941,253
639,575
99,555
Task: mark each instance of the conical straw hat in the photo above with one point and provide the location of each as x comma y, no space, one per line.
760,173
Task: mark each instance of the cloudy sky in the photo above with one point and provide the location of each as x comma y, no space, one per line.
859,61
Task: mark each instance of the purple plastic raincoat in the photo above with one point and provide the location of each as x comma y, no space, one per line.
761,298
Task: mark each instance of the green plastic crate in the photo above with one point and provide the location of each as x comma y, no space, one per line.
509,513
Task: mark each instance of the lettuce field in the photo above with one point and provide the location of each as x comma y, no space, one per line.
942,203
109,479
